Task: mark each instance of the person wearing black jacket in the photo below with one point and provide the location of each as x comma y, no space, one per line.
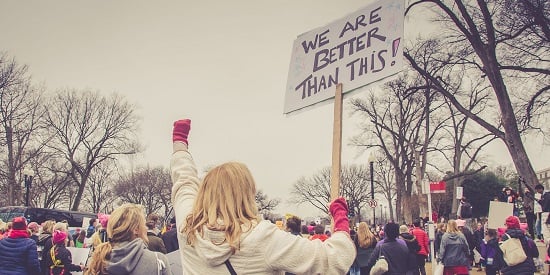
528,266
170,237
59,258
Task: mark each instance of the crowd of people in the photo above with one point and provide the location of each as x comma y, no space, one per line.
217,230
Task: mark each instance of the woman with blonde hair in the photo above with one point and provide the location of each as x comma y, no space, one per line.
222,234
126,251
365,242
453,251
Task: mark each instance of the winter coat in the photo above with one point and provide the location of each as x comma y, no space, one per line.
363,254
412,245
489,252
18,256
155,243
264,248
437,241
530,248
397,255
62,254
170,239
45,242
423,241
454,250
133,258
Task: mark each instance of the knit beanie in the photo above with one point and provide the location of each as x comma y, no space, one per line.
19,223
103,219
59,236
512,222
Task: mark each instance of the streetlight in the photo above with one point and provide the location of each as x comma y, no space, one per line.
371,162
28,174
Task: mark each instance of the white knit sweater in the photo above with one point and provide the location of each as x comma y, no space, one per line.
264,250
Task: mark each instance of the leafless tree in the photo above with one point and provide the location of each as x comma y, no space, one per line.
315,190
265,204
20,111
507,44
89,128
99,197
395,124
147,186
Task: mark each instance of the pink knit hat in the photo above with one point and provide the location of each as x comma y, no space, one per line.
59,236
103,219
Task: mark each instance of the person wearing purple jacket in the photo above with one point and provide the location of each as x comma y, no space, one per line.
18,254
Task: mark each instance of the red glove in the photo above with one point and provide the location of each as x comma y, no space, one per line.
181,130
339,211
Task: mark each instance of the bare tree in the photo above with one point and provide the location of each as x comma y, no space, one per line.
315,190
396,125
147,186
504,42
265,204
20,111
99,196
89,128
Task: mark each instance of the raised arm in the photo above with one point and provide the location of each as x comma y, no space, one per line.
185,180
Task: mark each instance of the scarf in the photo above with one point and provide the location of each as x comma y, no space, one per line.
16,234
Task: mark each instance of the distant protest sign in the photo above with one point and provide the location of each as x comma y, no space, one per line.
498,212
359,49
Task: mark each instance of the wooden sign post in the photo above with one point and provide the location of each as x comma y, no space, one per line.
336,144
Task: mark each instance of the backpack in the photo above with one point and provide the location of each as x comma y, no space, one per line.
512,251
466,210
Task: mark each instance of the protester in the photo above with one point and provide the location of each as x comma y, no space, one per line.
319,233
170,237
528,209
80,239
154,243
293,225
412,245
489,253
464,209
454,250
395,253
470,239
365,242
539,191
441,228
513,230
45,243
18,253
91,228
479,235
126,251
221,230
424,243
35,231
59,258
154,218
508,195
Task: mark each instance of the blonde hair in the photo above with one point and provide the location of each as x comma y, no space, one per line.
452,227
61,226
365,238
126,223
226,201
48,226
442,226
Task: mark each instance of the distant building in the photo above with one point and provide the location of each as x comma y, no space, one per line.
544,177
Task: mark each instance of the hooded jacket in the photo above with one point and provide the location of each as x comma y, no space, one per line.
400,259
454,250
530,248
133,258
264,248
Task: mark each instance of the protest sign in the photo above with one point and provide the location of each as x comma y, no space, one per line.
498,212
359,49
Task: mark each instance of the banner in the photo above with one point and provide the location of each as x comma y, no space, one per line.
437,187
359,49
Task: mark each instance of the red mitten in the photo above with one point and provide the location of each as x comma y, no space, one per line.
181,130
339,211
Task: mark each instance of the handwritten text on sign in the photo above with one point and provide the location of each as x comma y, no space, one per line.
357,50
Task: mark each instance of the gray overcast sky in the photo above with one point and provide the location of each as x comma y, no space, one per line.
224,64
